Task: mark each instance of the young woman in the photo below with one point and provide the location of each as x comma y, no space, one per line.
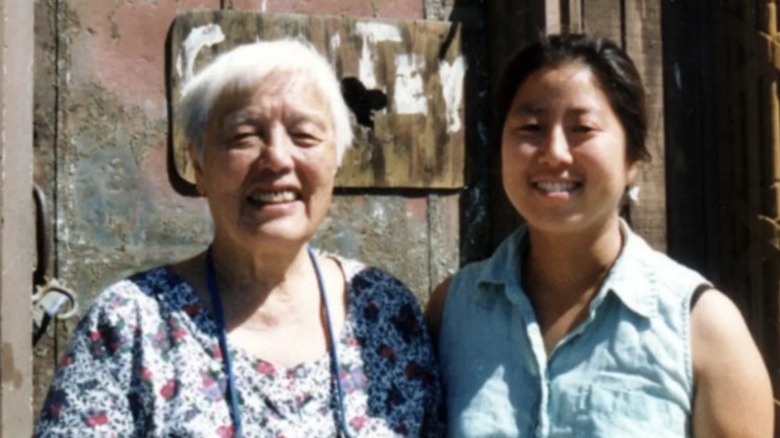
575,326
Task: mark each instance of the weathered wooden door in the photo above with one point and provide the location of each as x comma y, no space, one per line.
724,147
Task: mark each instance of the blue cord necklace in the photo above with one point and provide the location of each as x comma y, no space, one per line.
235,409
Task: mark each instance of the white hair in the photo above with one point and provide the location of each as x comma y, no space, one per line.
245,66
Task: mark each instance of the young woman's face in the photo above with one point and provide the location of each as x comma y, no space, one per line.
269,163
563,151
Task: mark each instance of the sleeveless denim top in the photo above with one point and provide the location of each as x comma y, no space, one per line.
625,371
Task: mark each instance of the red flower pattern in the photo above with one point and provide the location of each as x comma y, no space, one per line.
97,419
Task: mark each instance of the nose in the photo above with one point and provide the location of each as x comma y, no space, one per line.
555,149
276,154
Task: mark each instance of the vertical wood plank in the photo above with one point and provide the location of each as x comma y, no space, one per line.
643,44
511,25
552,16
16,228
754,149
602,18
574,16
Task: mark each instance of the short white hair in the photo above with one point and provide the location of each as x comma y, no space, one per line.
245,66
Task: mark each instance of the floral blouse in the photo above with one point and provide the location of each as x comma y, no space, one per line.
145,361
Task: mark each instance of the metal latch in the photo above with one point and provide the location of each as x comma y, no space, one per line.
51,299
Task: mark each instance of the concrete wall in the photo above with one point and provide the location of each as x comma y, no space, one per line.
102,156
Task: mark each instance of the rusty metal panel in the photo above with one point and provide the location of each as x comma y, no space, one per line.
412,138
102,156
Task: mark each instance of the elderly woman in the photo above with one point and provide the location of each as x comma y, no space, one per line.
575,326
258,335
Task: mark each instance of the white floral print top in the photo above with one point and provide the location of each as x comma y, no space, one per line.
145,361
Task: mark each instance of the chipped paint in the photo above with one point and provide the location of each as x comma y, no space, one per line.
372,34
452,91
409,96
12,377
198,38
334,44
378,214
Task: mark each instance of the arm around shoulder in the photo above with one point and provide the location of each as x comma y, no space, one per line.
434,310
733,393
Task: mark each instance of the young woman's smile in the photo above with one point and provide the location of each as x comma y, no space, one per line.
564,151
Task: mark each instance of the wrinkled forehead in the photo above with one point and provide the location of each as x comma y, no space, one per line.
296,85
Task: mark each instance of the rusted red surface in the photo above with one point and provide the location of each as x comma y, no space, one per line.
104,117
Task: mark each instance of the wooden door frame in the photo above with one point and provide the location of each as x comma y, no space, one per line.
17,242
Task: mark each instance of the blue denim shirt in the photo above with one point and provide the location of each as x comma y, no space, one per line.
625,371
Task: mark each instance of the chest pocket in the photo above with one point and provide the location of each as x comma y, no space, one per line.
598,410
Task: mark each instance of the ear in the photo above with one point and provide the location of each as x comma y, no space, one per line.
632,171
197,166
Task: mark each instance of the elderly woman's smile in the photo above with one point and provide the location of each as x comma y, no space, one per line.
269,161
272,197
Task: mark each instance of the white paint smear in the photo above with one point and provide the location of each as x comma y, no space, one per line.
372,33
198,38
452,90
409,96
335,43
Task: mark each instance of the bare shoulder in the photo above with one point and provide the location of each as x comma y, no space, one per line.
434,310
733,391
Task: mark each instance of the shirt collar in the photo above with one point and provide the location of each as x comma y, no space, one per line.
501,271
629,279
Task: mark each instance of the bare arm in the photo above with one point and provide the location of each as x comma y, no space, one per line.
434,310
733,394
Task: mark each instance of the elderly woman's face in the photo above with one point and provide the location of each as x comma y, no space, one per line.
269,162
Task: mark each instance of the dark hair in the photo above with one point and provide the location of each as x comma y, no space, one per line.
615,71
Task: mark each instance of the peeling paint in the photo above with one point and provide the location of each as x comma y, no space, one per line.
11,375
200,37
452,90
373,33
378,214
334,43
409,96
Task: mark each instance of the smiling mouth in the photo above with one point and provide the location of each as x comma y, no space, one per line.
263,198
557,186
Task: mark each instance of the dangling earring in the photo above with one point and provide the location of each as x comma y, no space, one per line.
633,194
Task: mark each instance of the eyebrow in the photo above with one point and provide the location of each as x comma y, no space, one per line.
247,116
528,109
531,109
241,117
313,117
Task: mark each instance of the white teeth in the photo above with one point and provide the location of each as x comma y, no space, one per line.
269,197
560,186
